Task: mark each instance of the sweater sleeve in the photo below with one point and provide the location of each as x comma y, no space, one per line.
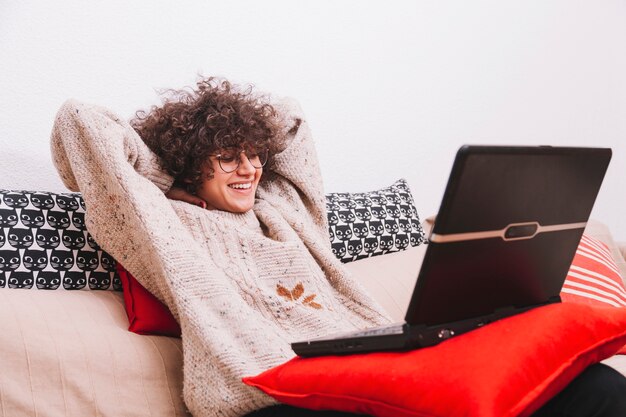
295,184
123,140
100,155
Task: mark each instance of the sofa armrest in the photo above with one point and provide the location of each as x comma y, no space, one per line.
621,246
621,262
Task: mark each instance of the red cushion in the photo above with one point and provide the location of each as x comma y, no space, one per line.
593,278
146,314
505,369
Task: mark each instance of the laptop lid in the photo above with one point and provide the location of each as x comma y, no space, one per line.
507,230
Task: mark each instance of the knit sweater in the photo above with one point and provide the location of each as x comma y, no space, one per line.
242,286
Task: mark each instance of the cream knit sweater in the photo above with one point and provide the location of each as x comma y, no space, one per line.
242,286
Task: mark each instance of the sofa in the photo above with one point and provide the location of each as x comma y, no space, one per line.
65,348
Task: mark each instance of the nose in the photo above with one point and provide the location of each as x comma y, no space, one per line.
245,167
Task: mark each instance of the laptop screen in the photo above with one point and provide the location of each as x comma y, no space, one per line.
507,230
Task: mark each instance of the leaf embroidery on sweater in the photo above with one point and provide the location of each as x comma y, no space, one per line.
297,291
308,301
283,292
295,294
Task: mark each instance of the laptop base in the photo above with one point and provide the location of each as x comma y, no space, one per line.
412,336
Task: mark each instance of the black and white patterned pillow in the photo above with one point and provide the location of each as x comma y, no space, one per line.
373,223
44,244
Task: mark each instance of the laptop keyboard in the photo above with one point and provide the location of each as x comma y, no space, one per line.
397,329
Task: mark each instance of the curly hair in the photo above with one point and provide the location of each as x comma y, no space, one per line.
192,124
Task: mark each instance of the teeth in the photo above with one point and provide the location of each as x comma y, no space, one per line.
241,186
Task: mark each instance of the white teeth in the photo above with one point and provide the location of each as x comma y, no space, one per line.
241,186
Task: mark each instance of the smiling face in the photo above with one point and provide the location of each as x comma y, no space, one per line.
230,191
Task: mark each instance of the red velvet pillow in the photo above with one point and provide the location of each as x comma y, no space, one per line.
593,278
505,369
146,314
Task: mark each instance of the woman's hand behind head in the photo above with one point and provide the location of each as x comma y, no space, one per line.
180,194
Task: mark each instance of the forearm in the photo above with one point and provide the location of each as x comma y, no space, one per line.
298,163
80,154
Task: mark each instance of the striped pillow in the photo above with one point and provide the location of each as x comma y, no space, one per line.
594,278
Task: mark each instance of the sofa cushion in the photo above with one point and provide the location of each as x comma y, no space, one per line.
507,368
373,223
44,244
69,354
390,279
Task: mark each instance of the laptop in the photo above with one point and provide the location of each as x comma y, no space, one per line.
506,233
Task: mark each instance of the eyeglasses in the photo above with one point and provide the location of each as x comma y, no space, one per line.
230,159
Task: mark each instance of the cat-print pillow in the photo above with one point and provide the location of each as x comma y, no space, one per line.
44,244
373,223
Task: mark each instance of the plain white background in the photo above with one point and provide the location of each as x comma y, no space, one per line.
390,89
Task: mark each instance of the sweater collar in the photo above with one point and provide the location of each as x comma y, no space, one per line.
247,219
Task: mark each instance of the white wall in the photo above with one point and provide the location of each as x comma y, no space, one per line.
390,90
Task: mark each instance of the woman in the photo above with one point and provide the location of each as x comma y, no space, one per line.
247,267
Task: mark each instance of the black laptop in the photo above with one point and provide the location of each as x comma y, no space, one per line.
505,235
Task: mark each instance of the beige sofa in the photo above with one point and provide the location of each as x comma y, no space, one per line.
68,353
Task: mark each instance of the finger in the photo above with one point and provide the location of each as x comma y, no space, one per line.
192,199
195,200
182,195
